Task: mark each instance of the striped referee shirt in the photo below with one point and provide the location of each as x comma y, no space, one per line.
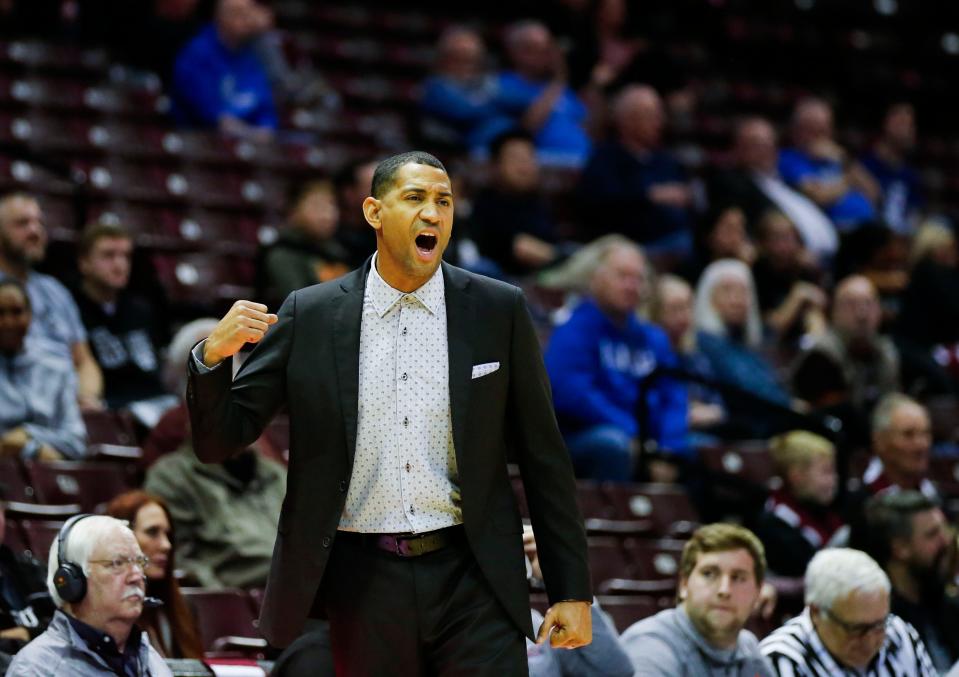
795,650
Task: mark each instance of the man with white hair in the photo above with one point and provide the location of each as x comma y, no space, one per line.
99,587
846,627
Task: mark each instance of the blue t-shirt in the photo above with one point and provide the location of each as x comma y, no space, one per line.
596,368
562,139
901,192
850,210
473,110
210,80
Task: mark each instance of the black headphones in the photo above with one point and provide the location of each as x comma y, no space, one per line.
69,579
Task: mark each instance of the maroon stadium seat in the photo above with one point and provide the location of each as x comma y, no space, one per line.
624,610
653,559
15,480
90,484
223,615
666,507
39,535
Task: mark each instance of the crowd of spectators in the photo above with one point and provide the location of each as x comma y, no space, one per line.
797,288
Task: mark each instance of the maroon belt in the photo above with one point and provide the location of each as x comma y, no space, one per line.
408,545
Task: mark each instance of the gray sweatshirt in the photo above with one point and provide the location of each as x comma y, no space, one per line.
667,645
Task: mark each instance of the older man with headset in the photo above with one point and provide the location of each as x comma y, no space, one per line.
96,580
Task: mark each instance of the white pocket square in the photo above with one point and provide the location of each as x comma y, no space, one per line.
484,369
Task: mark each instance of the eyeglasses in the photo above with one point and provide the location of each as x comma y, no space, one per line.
858,630
118,564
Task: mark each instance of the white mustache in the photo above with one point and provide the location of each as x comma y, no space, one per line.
133,591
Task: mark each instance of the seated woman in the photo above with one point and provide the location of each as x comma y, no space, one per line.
798,519
672,310
729,333
171,627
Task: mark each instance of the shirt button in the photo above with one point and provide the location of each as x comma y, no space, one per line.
407,467
404,331
406,421
405,376
343,485
412,511
326,541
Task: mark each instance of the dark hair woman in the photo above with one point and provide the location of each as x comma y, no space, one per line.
171,627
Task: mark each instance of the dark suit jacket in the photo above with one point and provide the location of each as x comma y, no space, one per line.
309,361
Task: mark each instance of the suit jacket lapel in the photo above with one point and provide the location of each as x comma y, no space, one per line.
347,320
460,319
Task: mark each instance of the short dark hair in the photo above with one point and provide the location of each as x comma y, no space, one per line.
98,230
722,537
19,286
500,141
888,516
385,172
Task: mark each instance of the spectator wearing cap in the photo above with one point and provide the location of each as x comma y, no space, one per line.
798,519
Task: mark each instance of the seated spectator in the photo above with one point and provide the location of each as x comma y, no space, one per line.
909,536
511,221
672,310
901,441
171,627
721,571
307,251
928,321
218,80
603,657
94,630
754,183
633,186
124,331
39,415
721,234
798,519
535,93
225,516
56,320
851,365
726,317
821,169
597,361
790,299
888,162
25,607
846,627
462,99
353,183
173,428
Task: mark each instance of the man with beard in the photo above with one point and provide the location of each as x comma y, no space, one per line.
909,536
56,325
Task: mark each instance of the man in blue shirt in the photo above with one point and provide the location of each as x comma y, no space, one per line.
821,169
536,94
218,81
634,186
597,360
888,163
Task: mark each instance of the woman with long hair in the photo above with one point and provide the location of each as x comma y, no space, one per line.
171,627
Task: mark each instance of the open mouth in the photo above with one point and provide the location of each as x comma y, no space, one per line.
426,242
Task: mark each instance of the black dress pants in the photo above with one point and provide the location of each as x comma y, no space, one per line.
425,616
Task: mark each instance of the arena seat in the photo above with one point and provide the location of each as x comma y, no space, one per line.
624,610
109,427
666,507
91,484
650,559
226,620
15,480
607,560
39,536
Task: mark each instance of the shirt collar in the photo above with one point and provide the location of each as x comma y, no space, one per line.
102,644
430,295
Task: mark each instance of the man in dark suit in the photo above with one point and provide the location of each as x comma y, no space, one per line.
408,382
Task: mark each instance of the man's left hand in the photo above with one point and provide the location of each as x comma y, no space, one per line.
570,623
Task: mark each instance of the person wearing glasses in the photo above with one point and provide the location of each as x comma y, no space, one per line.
846,627
99,587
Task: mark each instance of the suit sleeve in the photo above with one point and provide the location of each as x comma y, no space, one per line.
227,417
545,466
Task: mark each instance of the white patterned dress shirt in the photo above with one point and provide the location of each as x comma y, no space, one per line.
404,470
